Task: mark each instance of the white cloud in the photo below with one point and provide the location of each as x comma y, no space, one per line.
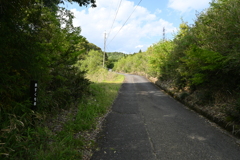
158,11
139,46
188,5
141,28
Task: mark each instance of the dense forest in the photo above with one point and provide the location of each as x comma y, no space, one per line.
201,64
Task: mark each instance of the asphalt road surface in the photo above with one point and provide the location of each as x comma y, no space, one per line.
147,124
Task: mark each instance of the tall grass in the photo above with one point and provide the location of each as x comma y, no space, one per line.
73,139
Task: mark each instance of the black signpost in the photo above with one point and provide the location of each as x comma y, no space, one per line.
33,94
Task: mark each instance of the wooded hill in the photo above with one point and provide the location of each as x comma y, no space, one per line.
113,57
201,65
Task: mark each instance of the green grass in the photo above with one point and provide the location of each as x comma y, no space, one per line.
38,139
70,142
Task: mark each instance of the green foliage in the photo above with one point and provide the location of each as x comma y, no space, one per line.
113,57
103,95
92,46
132,63
222,22
39,42
85,2
200,66
73,139
34,46
158,57
204,56
206,53
92,62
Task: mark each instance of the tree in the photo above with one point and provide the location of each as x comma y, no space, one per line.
52,3
92,62
158,57
86,2
113,57
34,46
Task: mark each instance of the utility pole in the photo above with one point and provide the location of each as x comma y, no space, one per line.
104,49
163,33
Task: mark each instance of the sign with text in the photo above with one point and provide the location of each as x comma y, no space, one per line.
33,94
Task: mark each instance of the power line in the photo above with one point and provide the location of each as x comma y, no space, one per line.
114,18
107,48
125,21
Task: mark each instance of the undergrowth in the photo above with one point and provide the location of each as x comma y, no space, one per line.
45,142
69,143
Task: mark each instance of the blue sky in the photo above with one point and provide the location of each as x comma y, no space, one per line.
143,28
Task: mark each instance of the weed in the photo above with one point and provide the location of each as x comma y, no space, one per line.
75,137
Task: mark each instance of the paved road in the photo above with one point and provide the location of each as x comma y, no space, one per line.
146,124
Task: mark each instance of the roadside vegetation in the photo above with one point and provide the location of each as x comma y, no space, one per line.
39,43
113,57
200,66
71,133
